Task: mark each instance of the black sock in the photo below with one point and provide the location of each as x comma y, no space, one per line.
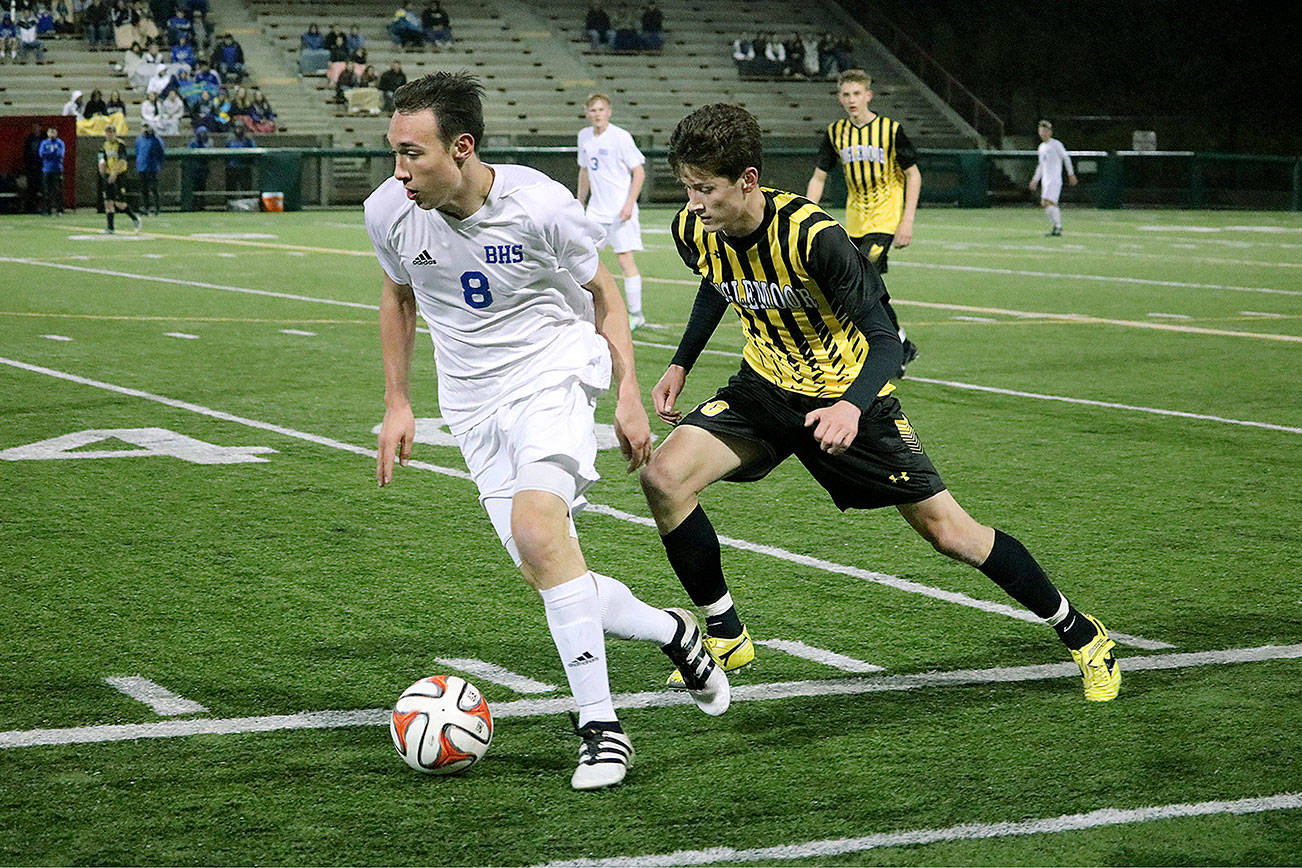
1074,631
725,626
108,215
693,549
130,213
1013,568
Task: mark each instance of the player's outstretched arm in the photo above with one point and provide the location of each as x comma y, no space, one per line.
397,337
912,189
814,190
632,427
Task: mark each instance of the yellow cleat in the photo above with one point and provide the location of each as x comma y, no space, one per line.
730,654
1102,673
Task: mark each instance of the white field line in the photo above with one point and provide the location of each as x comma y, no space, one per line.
1146,238
1040,396
820,655
965,832
880,578
157,697
649,699
486,671
982,248
1101,278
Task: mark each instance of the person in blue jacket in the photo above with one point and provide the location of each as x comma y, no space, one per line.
149,162
52,152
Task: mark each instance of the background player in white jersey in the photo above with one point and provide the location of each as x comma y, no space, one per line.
611,170
528,328
1053,159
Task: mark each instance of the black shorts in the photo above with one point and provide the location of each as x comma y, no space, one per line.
115,191
884,466
876,245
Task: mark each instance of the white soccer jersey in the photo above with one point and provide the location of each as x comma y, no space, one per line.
610,159
1053,157
502,291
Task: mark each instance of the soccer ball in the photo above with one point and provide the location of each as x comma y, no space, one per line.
441,725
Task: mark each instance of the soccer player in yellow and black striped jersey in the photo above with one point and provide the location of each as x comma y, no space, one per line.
111,160
814,383
882,179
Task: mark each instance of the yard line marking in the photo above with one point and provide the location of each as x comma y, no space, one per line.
173,280
1266,314
820,655
496,674
157,697
298,332
1040,396
773,551
964,832
1171,315
300,248
183,318
1101,278
114,732
182,335
880,579
56,337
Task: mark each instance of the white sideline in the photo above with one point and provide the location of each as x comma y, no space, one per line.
648,699
964,832
1101,278
157,697
880,578
820,655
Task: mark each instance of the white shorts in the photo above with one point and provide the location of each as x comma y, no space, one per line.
556,426
624,236
1050,190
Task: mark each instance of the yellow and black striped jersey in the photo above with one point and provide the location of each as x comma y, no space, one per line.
874,157
112,159
801,288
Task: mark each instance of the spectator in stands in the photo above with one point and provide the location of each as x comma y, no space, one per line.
197,5
840,51
98,22
52,152
95,105
358,61
169,118
405,29
123,33
776,55
145,27
653,25
337,44
75,107
207,78
150,109
436,25
188,88
228,59
64,24
390,80
28,41
795,50
209,114
179,25
344,82
115,104
139,75
743,54
149,162
355,38
813,65
160,83
239,169
8,37
263,118
366,96
241,105
183,53
45,23
597,25
312,53
626,33
202,30
197,170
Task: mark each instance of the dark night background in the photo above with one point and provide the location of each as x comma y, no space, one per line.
1205,76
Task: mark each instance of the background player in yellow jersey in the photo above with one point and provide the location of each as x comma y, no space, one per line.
881,177
814,383
112,163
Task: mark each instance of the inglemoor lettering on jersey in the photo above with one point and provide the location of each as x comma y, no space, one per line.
759,295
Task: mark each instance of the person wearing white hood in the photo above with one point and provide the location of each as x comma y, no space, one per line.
72,108
160,81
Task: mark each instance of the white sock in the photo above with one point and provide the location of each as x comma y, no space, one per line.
1057,617
572,612
1055,216
627,617
719,606
633,293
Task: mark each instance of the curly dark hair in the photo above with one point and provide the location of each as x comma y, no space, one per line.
719,139
456,98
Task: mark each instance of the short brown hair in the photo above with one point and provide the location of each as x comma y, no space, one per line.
719,139
594,97
455,98
854,76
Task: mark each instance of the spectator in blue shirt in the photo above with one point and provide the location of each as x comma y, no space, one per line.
228,59
52,151
149,162
183,52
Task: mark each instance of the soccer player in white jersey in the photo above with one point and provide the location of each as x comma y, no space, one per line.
611,175
528,328
1053,159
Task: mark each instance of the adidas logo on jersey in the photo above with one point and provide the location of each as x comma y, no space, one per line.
583,659
423,258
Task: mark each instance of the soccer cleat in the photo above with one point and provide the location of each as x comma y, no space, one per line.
636,321
136,221
702,677
1055,232
731,654
604,757
1099,668
910,353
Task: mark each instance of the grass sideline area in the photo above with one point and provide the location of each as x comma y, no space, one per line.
1126,399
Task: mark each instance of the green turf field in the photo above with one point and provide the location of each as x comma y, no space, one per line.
1126,399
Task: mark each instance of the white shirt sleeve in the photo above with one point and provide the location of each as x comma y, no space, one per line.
629,153
377,226
572,237
1066,158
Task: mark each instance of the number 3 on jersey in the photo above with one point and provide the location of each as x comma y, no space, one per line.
474,285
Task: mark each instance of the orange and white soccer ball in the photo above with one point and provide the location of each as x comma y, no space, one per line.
441,725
